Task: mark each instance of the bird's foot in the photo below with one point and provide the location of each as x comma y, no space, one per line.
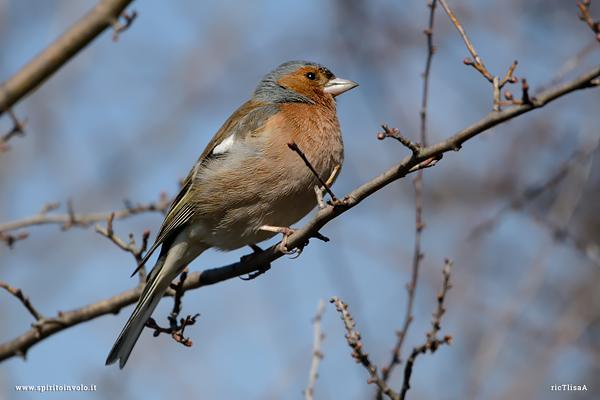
287,232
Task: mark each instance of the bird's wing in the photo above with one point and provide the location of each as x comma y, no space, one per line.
247,119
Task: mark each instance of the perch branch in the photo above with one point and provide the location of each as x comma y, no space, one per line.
113,305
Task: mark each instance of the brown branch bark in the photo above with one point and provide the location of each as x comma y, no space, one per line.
419,224
28,78
73,219
113,305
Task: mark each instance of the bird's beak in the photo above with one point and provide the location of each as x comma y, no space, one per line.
337,86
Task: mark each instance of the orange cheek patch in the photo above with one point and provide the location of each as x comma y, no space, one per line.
297,82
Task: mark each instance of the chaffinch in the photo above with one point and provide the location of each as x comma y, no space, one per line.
247,181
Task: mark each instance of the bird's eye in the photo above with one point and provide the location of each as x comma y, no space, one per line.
311,76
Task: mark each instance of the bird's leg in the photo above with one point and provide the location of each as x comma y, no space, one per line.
263,268
255,248
287,232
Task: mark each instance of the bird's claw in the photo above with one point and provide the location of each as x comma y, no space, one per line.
287,232
256,274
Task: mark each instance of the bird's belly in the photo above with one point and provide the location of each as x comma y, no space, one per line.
240,226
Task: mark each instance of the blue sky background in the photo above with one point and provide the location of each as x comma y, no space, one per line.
128,119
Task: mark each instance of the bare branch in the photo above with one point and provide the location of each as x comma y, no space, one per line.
73,219
175,330
320,191
395,134
430,51
130,247
358,354
585,16
294,147
432,343
322,217
509,78
419,224
478,64
58,53
317,355
11,239
25,300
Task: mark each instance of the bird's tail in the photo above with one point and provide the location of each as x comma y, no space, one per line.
155,289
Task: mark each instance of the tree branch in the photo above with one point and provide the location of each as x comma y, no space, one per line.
73,219
317,355
25,300
419,224
432,343
353,336
585,16
28,78
478,64
251,264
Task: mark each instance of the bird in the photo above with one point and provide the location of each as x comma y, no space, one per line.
247,184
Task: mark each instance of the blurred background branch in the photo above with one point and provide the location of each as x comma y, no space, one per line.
105,14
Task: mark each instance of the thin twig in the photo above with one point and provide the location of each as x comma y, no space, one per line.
509,78
430,51
478,64
11,239
317,356
17,129
430,162
394,133
320,191
83,220
292,145
129,247
25,300
525,99
119,27
358,354
419,224
585,16
176,331
432,343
